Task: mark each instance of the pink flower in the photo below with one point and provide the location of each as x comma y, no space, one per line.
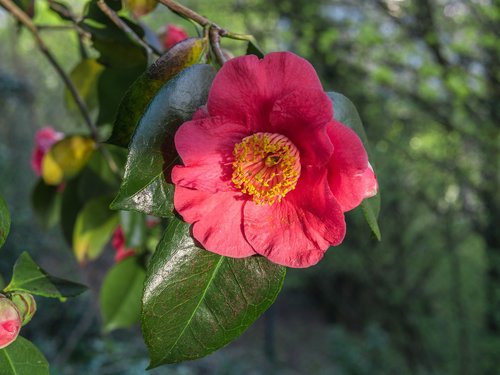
10,322
173,35
118,243
44,140
266,169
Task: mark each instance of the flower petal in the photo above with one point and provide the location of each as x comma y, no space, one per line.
205,147
302,117
350,176
246,88
217,220
297,231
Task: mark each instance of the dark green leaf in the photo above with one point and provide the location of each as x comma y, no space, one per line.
29,277
46,200
135,102
70,206
346,113
22,358
94,227
4,221
121,293
254,49
152,152
196,301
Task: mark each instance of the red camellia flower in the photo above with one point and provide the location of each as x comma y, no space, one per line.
10,322
44,140
266,169
173,35
118,243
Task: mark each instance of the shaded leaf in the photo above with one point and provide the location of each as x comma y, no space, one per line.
66,158
346,113
94,227
196,301
254,49
152,151
28,277
23,358
121,293
134,228
4,221
140,94
46,201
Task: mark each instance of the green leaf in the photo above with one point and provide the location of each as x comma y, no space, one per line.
134,228
46,201
111,88
346,113
61,9
94,227
196,301
121,293
152,152
254,49
4,221
140,94
70,206
22,358
29,277
84,76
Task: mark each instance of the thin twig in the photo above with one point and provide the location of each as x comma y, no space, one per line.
126,28
187,13
215,43
26,21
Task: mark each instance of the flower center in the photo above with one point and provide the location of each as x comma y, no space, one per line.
266,166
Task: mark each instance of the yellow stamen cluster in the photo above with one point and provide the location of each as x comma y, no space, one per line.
266,166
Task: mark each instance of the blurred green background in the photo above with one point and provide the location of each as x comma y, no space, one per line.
425,77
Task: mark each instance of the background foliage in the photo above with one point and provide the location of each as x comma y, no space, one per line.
424,76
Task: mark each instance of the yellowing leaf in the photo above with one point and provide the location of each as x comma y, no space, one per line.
141,7
66,158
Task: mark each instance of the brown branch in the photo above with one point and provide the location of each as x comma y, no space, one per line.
214,36
111,14
187,13
28,23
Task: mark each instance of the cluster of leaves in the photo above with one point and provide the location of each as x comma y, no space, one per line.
190,302
21,356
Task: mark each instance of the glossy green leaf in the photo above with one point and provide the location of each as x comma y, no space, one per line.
22,358
4,221
346,113
84,76
141,7
152,152
140,94
46,201
196,301
121,293
94,227
29,277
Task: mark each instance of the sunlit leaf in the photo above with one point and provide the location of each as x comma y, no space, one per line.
94,227
66,158
152,151
22,358
28,277
141,7
121,293
135,102
195,301
84,76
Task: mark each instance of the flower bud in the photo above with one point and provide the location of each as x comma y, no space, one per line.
10,321
26,305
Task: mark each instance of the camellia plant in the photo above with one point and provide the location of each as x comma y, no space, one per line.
208,174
